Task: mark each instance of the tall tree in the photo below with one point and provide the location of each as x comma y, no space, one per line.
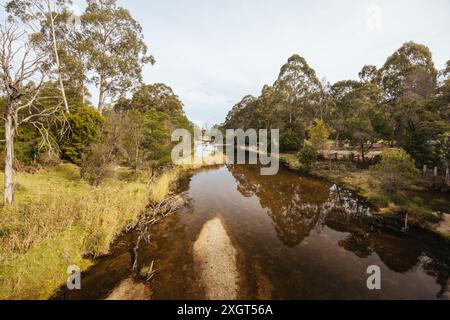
116,48
300,86
73,54
342,108
20,67
43,14
237,116
404,69
366,123
368,74
157,96
408,78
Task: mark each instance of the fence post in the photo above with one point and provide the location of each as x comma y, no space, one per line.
424,170
447,174
435,172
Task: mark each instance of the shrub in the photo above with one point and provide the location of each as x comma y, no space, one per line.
418,201
84,126
308,157
289,141
380,200
96,163
292,136
395,170
440,205
318,136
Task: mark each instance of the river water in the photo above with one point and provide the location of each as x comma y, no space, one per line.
296,238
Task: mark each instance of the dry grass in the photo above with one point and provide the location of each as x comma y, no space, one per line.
203,161
160,188
57,219
290,160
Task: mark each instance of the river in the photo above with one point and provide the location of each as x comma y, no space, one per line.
295,238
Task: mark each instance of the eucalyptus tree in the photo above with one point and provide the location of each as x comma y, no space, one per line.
365,121
22,78
269,108
238,116
408,78
410,69
115,47
342,108
41,16
158,96
368,74
73,54
301,88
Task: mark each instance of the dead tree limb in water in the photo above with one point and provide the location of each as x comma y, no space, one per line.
154,214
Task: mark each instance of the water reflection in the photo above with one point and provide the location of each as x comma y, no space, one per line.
298,205
297,238
295,204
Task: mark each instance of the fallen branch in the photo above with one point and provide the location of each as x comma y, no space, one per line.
154,214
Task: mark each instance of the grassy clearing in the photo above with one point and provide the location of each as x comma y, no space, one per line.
58,219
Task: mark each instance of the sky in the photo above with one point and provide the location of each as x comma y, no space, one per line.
212,52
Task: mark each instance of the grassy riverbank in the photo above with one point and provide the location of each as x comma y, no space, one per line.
428,213
58,219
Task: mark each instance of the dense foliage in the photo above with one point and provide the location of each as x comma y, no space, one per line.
396,170
405,103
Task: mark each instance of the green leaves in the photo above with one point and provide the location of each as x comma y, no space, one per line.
318,136
398,73
115,47
308,157
396,170
85,125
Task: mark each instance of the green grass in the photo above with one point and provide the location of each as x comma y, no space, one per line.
57,219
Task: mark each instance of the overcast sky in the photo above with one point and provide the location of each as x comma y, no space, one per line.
213,52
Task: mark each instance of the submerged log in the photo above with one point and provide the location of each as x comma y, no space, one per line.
154,214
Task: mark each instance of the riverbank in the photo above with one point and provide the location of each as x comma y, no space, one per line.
428,213
58,220
275,223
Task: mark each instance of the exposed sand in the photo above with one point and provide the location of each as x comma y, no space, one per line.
130,289
215,262
444,226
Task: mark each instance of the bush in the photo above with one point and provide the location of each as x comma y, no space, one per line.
96,163
84,126
395,171
440,205
380,200
318,136
289,141
308,157
292,136
418,201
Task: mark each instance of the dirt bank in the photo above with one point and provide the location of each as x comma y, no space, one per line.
215,262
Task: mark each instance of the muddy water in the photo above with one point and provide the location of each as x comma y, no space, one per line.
295,238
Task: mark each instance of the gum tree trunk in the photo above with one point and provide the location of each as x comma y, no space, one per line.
58,66
101,97
8,195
